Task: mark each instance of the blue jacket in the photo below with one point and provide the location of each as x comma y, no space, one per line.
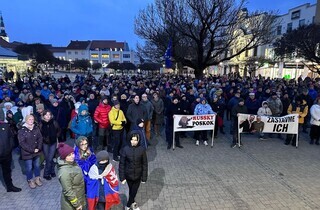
203,109
82,124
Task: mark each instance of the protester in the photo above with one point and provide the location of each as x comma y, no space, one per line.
133,167
101,117
81,125
117,121
315,123
71,180
240,108
6,146
158,113
50,131
30,141
103,184
147,121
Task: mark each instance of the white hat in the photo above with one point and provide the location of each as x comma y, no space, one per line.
8,104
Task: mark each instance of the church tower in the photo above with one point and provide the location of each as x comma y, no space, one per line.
3,33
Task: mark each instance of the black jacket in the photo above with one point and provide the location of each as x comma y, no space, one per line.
29,140
133,163
6,140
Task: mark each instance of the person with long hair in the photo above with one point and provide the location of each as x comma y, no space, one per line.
50,131
133,167
30,141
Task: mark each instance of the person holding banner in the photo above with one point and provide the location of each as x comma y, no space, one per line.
315,122
240,108
298,106
172,109
202,108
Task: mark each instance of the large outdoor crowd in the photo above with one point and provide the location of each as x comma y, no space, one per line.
120,115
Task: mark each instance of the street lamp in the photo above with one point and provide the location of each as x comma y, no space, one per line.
297,62
91,63
70,65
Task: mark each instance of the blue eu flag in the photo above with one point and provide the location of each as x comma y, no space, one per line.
167,55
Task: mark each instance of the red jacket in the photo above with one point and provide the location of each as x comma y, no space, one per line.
101,115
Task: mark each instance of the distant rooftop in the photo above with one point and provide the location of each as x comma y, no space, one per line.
78,45
7,53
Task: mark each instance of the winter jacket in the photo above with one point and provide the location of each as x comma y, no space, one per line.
264,111
116,117
92,105
81,125
133,163
275,105
158,115
171,110
301,109
6,140
149,108
101,115
233,101
136,111
60,115
237,109
29,140
54,131
203,109
252,105
73,190
315,115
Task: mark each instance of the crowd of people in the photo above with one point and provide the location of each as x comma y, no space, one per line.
120,115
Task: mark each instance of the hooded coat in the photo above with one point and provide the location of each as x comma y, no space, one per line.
72,182
81,125
29,140
101,115
133,163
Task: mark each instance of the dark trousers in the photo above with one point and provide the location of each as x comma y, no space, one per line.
117,136
63,136
133,189
169,135
203,135
6,169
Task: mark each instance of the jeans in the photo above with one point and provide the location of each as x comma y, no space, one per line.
49,151
35,163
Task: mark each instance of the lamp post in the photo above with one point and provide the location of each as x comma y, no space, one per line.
297,62
91,65
70,65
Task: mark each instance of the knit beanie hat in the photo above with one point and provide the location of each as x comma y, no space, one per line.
64,150
80,139
39,106
116,102
102,155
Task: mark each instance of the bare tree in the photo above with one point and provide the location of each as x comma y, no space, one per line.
203,32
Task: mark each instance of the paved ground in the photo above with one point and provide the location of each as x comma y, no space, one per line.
259,175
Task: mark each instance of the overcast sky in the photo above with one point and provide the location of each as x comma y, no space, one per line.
59,21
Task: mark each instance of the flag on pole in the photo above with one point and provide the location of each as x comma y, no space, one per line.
168,55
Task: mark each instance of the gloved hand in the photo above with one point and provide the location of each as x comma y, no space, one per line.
124,181
143,182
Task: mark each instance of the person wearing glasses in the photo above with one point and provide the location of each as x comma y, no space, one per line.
84,156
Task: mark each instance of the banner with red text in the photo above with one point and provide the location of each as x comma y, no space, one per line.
193,122
288,124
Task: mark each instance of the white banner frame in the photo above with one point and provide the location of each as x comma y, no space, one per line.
193,123
291,120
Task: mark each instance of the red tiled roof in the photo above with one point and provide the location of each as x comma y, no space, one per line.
78,45
106,44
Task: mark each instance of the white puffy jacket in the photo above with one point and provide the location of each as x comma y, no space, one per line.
315,114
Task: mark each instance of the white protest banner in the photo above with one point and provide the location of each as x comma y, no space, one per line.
288,124
193,123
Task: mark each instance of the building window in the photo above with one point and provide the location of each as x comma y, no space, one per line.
105,55
289,27
69,53
255,51
126,55
301,22
279,30
295,15
116,56
95,55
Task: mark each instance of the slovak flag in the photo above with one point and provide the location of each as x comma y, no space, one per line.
111,189
110,183
168,55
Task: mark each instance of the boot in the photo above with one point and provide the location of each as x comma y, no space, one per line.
38,181
13,189
32,184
